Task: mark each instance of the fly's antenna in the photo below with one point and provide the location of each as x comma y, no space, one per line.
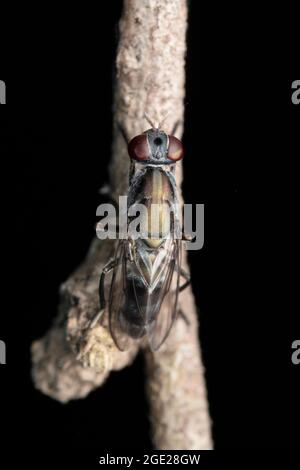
149,120
163,120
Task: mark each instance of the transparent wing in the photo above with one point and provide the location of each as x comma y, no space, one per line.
134,308
157,307
117,299
166,305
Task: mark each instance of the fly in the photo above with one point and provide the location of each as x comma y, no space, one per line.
146,270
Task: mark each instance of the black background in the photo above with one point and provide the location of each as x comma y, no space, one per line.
242,145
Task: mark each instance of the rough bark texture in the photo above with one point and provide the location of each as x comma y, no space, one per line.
71,360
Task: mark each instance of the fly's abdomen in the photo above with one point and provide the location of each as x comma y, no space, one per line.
134,317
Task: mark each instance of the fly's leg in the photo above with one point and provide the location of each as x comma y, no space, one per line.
187,278
107,268
88,349
187,237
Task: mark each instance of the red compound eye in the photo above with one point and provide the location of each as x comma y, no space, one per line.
175,151
138,148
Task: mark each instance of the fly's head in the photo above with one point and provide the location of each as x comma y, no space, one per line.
155,147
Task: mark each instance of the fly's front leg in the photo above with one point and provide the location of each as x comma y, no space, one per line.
107,268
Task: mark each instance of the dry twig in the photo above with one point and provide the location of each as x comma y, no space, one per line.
71,360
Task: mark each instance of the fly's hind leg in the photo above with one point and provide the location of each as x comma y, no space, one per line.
187,282
107,268
187,278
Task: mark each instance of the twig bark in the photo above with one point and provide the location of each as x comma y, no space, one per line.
72,360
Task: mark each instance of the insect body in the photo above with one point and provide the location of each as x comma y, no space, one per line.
147,268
